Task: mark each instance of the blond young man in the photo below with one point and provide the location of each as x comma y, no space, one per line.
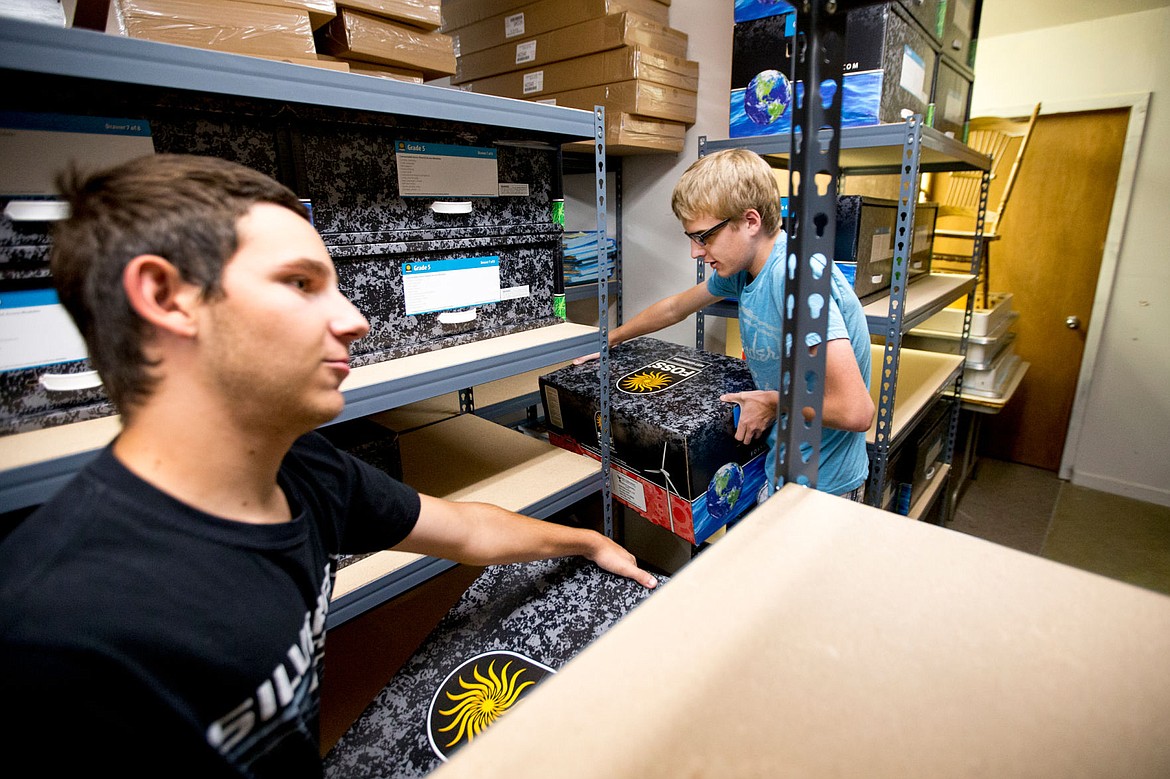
164,614
729,207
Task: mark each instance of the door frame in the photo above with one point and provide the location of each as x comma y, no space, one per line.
1138,104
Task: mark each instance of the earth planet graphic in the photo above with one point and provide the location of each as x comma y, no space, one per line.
723,491
767,97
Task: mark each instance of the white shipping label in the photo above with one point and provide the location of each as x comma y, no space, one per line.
446,170
882,246
534,82
913,74
525,52
443,285
513,25
35,329
627,489
553,399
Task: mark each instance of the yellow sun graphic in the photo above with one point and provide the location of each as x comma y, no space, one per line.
485,700
646,382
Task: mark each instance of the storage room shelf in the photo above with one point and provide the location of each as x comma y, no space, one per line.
38,48
871,150
921,377
465,458
925,297
34,465
587,291
928,498
384,385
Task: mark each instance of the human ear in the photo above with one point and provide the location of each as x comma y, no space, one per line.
156,291
752,218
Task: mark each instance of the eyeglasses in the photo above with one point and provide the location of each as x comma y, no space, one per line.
702,237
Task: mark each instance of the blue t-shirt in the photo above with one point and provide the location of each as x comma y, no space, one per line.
844,464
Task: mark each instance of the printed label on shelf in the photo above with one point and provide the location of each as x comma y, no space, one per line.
514,25
446,170
36,330
525,52
448,284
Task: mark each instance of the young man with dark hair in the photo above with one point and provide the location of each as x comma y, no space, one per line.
729,206
165,612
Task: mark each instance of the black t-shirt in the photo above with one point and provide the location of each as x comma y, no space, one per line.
139,634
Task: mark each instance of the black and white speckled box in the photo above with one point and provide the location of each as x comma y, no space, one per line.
675,459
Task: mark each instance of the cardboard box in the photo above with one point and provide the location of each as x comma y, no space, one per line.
419,13
460,13
866,228
644,98
927,14
358,36
953,84
827,638
328,64
545,16
628,134
321,12
675,459
601,34
959,30
889,71
222,25
628,62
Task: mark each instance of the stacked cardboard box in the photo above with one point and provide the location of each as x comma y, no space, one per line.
393,38
265,28
620,54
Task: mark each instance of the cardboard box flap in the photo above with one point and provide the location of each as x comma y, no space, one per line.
821,637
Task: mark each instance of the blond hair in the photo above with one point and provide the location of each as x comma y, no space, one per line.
725,185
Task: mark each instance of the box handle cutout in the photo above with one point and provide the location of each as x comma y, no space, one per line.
70,382
457,317
451,206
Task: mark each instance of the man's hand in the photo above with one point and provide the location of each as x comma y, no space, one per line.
757,411
615,559
587,358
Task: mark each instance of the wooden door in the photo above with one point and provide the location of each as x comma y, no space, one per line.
1053,238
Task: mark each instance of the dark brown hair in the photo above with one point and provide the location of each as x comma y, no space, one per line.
180,207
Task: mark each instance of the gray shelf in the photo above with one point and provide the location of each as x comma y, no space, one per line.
85,54
870,150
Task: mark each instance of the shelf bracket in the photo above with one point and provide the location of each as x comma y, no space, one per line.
602,322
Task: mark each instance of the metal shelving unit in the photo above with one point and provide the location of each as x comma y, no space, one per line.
36,464
906,150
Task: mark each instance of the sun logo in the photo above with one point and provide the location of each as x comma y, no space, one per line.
475,695
659,375
651,381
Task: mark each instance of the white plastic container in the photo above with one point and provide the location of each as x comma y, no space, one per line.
981,350
991,381
984,321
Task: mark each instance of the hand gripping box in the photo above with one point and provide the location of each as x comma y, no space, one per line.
673,451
